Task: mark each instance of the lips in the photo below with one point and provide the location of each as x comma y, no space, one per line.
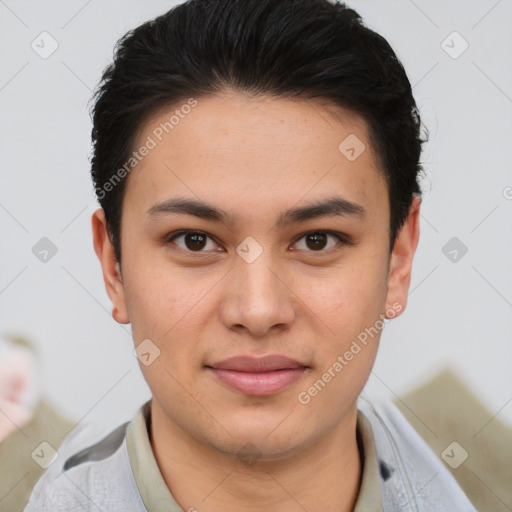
258,364
258,376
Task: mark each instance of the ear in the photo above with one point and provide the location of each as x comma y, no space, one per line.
400,264
111,268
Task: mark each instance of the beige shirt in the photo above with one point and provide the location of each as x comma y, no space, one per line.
157,496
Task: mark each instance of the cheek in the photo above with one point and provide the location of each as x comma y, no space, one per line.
156,295
349,306
171,311
346,356
345,297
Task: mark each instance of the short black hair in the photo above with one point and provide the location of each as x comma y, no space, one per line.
283,48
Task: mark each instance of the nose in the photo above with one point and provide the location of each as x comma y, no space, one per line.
258,298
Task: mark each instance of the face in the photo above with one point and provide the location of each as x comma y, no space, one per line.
298,294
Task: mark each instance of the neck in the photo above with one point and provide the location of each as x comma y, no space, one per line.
324,476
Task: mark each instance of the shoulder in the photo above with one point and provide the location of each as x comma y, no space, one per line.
413,478
91,472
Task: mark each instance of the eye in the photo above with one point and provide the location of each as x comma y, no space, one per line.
314,241
193,241
318,241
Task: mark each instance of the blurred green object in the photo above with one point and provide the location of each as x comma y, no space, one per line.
453,422
19,470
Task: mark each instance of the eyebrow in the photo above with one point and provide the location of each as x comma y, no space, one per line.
330,207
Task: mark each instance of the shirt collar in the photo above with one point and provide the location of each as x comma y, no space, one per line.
156,495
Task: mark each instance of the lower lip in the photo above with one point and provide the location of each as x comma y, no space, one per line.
259,383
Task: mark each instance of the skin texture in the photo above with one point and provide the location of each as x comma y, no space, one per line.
255,158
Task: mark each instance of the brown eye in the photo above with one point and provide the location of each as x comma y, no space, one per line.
318,241
192,241
195,241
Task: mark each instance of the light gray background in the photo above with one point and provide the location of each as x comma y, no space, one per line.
459,314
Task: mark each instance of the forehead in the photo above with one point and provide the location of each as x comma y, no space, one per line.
232,145
268,119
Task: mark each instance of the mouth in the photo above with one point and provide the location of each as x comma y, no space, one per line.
258,376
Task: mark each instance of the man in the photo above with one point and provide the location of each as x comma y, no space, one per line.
257,166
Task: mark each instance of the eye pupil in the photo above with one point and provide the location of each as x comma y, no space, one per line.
198,240
318,239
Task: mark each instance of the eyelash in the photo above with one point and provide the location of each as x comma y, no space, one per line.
342,239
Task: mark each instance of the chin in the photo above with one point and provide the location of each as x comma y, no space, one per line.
250,451
271,437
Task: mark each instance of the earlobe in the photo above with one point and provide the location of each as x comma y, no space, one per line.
400,265
112,276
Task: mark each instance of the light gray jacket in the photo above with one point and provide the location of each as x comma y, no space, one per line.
99,477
